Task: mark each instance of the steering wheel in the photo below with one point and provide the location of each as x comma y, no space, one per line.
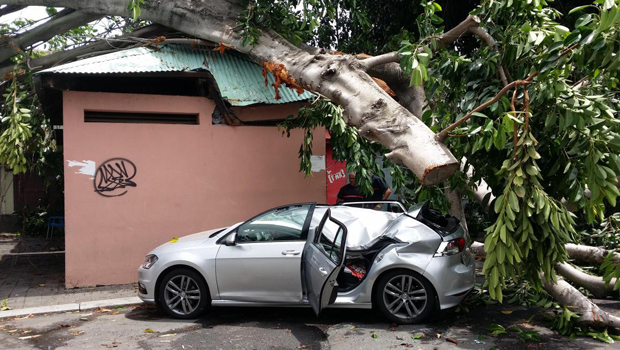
270,235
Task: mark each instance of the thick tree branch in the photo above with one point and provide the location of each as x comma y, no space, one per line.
64,21
99,47
457,32
567,295
595,284
591,314
589,254
410,97
391,57
10,9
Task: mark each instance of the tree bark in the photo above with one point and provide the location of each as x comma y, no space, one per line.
338,77
99,47
589,254
595,284
10,9
410,97
591,314
64,21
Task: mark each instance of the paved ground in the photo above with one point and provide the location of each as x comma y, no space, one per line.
38,280
286,328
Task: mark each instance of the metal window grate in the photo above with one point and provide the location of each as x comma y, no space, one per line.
140,118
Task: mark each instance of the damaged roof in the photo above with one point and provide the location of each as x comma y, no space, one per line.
240,80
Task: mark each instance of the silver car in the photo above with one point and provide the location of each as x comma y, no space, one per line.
404,264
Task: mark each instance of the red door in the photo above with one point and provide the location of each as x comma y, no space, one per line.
336,173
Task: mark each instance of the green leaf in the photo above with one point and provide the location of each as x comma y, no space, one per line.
532,152
531,170
514,201
583,20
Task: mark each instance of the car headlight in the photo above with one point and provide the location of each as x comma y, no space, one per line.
149,261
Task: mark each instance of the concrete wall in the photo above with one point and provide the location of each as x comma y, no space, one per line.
188,178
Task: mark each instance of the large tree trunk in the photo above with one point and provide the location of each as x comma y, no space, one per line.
341,78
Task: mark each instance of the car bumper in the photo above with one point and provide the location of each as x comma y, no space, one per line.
146,285
452,276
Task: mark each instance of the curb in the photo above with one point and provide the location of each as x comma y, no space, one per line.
87,305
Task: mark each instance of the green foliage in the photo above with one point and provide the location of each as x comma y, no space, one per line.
134,8
295,20
560,146
607,234
564,323
531,227
496,329
359,153
611,270
34,221
16,129
416,57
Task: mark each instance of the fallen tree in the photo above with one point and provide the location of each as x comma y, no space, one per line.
526,143
565,294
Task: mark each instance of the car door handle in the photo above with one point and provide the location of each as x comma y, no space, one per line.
322,271
291,252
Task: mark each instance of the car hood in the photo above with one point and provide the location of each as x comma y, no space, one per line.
191,241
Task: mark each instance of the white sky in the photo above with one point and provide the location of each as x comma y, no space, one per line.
37,13
30,12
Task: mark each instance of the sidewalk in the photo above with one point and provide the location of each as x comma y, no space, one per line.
38,280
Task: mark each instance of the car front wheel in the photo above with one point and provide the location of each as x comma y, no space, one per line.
404,297
184,294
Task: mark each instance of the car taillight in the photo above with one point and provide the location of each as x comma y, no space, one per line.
452,247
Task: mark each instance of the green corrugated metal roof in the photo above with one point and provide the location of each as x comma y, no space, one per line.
239,79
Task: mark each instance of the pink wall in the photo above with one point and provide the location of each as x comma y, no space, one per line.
189,178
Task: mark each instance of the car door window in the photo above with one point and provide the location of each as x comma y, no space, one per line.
280,224
329,243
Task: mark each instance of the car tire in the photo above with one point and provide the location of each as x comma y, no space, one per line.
183,294
411,303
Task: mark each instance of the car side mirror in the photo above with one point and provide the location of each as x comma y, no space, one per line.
230,239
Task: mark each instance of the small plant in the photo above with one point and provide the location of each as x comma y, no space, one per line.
496,329
4,305
34,222
526,336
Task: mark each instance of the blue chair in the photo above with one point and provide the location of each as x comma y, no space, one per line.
54,221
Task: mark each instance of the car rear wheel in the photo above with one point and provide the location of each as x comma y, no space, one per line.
404,297
184,294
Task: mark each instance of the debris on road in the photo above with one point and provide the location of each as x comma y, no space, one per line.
29,337
452,340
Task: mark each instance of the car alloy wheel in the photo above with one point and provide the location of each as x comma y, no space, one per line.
182,295
404,296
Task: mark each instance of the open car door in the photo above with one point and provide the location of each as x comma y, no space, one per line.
322,261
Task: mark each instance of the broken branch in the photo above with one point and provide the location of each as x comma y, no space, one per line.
391,57
441,136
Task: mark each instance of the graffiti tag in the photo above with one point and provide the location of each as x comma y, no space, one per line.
113,176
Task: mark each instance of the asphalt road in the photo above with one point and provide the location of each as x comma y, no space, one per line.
280,328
